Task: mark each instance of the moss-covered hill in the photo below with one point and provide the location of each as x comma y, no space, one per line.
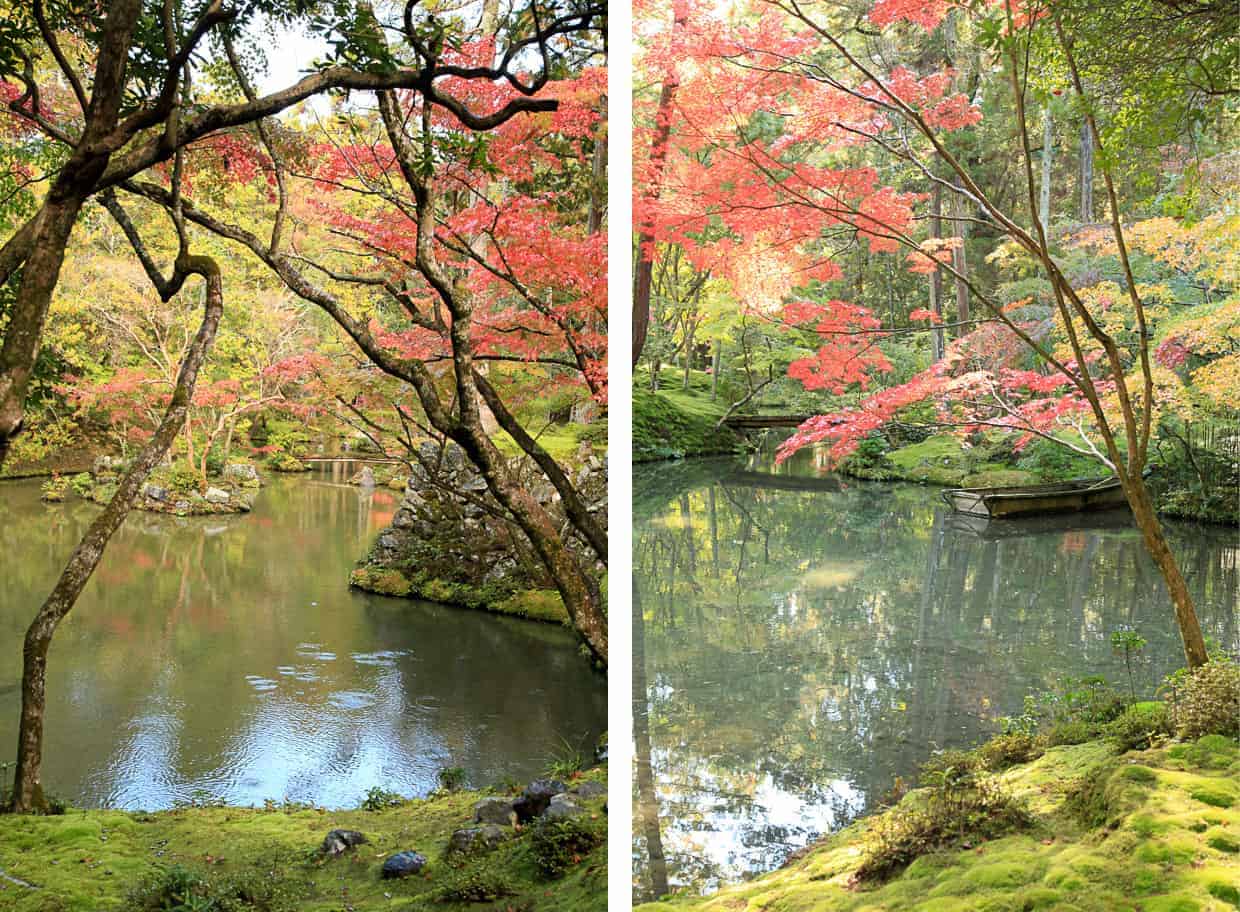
268,860
1144,831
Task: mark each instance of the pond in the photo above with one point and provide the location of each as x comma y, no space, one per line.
803,640
226,659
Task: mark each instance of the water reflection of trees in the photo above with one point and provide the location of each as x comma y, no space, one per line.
206,613
825,643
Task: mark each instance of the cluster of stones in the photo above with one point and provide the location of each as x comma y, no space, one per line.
235,491
446,526
366,477
494,823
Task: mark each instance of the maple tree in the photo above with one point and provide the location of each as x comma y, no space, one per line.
792,145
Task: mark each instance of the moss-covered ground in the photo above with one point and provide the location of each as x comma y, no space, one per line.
1144,831
93,861
674,422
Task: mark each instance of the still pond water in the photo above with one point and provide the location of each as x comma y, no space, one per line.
801,641
226,658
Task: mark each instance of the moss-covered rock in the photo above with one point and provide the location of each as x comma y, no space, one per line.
100,861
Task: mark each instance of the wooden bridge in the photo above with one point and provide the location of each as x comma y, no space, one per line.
761,422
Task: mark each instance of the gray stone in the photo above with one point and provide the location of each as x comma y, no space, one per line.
403,864
181,506
365,478
217,496
588,790
339,841
562,807
155,492
241,472
471,840
495,811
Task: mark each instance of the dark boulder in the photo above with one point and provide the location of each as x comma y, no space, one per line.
495,811
339,841
536,797
403,864
473,840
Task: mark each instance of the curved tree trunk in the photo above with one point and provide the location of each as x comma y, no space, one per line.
28,787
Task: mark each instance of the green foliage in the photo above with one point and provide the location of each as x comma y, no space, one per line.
1140,725
1128,643
183,478
55,488
180,889
377,798
1052,462
1009,749
285,462
557,845
962,808
81,483
567,760
486,880
452,778
1205,701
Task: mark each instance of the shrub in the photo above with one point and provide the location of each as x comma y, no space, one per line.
485,881
179,889
81,483
378,798
182,478
961,807
452,778
1206,701
216,460
567,760
559,844
54,489
1139,726
1009,749
1070,731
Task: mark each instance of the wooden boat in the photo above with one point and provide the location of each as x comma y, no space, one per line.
986,528
1032,500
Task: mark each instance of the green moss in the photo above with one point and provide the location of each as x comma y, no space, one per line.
1132,850
383,582
1223,842
1215,795
671,424
98,861
535,604
1226,892
1142,774
998,478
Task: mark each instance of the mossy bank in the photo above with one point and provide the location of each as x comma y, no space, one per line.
1155,830
225,859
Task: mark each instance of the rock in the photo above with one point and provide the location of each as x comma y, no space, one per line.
339,841
403,864
217,496
155,492
241,472
563,807
588,790
398,482
181,506
365,478
536,797
494,811
103,465
471,840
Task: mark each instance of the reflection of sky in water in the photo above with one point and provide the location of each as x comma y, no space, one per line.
239,666
799,650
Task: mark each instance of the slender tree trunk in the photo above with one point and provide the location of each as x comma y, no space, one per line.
1048,155
1087,174
936,278
961,262
643,277
716,367
647,796
28,787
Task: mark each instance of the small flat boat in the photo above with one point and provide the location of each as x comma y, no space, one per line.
1032,500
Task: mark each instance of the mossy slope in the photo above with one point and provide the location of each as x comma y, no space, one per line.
89,861
1105,839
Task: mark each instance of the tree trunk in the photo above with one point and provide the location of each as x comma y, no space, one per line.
936,278
1087,174
1146,518
1048,147
643,278
960,261
28,794
716,366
